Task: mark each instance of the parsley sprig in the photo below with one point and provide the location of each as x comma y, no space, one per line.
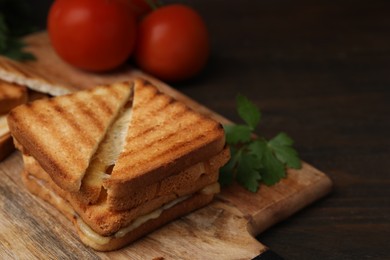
14,23
256,159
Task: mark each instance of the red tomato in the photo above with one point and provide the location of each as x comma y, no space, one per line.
172,43
95,35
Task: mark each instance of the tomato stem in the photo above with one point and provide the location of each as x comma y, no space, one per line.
154,4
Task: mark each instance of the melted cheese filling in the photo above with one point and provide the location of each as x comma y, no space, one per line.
3,125
102,240
99,239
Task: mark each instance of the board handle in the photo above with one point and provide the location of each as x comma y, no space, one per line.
268,255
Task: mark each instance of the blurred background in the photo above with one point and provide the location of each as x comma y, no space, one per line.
319,70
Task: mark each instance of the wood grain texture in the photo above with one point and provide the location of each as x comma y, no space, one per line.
31,228
223,229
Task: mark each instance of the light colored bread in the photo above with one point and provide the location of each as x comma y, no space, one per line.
40,188
11,95
164,138
64,133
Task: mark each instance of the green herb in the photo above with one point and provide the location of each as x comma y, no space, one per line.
14,23
255,159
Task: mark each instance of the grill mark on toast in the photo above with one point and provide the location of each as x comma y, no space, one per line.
91,116
155,141
201,135
43,121
64,114
181,144
176,116
38,120
103,104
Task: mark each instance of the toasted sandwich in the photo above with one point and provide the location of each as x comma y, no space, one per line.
119,160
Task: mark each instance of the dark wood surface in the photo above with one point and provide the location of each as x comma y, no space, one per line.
320,71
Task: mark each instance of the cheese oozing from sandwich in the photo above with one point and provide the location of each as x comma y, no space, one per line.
102,240
99,239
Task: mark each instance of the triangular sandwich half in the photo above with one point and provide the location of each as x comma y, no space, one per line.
63,133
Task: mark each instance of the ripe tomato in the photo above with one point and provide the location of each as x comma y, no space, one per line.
95,35
172,43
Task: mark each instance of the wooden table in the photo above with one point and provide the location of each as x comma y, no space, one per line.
320,70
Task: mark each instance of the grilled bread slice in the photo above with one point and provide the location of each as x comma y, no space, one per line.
64,133
11,95
165,137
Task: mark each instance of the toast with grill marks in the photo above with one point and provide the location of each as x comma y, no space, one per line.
164,138
63,133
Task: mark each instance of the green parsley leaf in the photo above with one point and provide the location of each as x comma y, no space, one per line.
226,174
248,111
273,169
281,145
237,133
15,51
248,174
256,160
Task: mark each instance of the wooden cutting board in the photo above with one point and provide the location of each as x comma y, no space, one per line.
225,229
